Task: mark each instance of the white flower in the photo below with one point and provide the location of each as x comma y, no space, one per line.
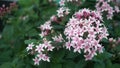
36,61
60,12
67,11
47,43
46,58
39,48
62,2
58,39
117,9
41,56
46,26
30,47
50,48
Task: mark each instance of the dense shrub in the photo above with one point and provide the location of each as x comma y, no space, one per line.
60,34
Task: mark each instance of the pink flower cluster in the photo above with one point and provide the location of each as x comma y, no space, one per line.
103,5
45,28
58,38
62,2
5,10
41,51
84,31
114,42
63,11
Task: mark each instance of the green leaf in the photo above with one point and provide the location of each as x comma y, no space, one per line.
5,56
58,27
29,3
30,41
117,48
57,1
99,65
105,40
6,65
56,65
8,32
57,55
116,65
44,65
71,54
108,63
32,32
68,64
81,64
103,56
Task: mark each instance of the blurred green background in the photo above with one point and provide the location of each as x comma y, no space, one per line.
22,24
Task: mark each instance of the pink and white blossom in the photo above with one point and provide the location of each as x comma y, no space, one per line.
30,47
46,26
104,6
84,31
117,9
60,12
39,48
58,38
36,61
53,18
62,2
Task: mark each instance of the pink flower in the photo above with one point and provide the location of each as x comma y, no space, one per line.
30,47
77,49
43,33
62,2
71,0
50,48
93,52
58,39
67,11
118,40
88,57
68,45
41,51
46,26
60,12
103,5
87,47
46,58
117,9
45,29
111,39
53,18
39,48
36,61
63,11
43,57
46,43
100,49
85,12
40,56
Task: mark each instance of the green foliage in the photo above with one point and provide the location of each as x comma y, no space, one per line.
21,28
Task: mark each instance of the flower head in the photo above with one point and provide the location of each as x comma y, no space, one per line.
84,31
103,5
58,39
36,61
30,47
